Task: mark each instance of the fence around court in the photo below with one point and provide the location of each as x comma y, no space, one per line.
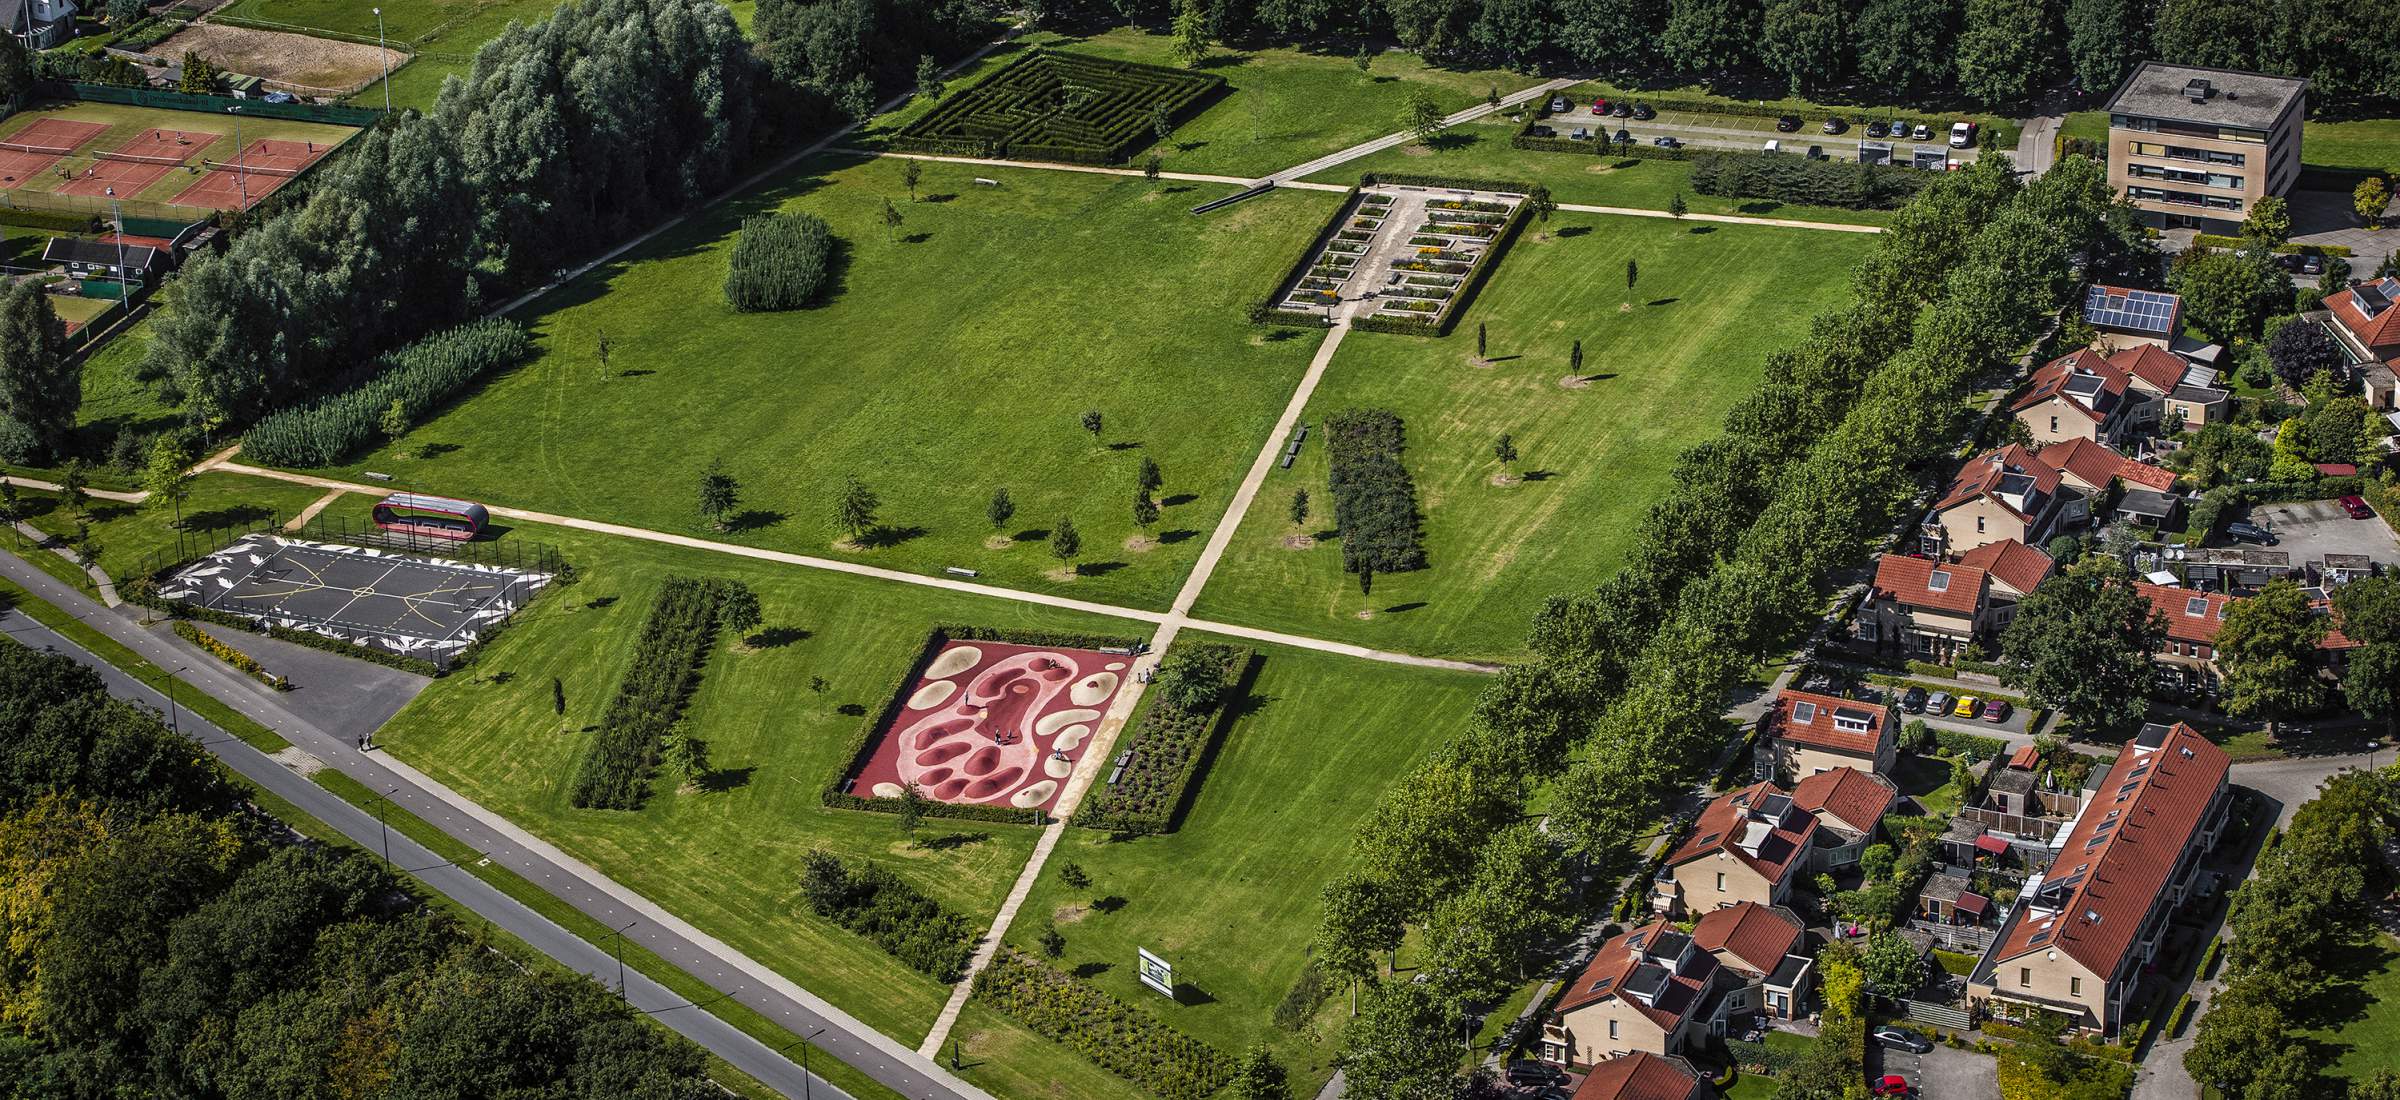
142,219
521,555
330,114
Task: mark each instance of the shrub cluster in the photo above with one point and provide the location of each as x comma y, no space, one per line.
1301,1001
863,743
1122,1039
1802,180
1374,500
873,902
420,377
1172,745
242,662
780,261
1975,747
1051,105
615,771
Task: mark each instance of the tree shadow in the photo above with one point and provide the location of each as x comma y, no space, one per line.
1503,358
1223,61
631,372
777,637
1188,994
886,536
1400,607
1759,207
948,842
1180,534
1450,141
1282,334
1031,534
1125,445
753,519
1598,377
1574,230
1178,499
851,710
1188,146
230,516
1091,970
1175,190
1097,568
599,603
1662,301
937,200
436,450
1538,475
727,779
1701,230
1109,904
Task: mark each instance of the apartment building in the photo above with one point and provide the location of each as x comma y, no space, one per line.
2196,147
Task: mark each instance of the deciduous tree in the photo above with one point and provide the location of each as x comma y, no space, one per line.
2267,649
2082,643
1065,543
1001,509
40,387
854,508
720,494
2003,50
1420,116
1404,1046
168,477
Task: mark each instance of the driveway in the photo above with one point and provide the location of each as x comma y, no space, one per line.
2326,217
1943,1073
2309,530
1744,134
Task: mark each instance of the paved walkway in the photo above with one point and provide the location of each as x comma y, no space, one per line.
316,506
698,954
1390,141
101,582
2037,144
121,497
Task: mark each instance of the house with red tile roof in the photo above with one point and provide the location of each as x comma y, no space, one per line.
2079,395
2365,321
1766,950
2094,467
2000,494
1644,1076
2087,926
1649,990
2193,618
2164,387
1805,733
1849,805
1930,610
1749,845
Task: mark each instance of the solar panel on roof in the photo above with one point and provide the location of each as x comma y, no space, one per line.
2135,310
2370,298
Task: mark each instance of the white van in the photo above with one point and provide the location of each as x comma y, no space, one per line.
1774,146
1962,134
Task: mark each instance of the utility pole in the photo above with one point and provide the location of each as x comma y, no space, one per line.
241,160
386,830
387,60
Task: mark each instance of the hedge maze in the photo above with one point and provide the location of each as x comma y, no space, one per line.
1048,105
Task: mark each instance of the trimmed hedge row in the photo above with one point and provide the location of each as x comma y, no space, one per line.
2215,240
1270,311
1374,499
420,377
1798,179
1030,110
1169,748
779,262
863,742
38,219
1466,183
241,662
614,773
145,594
2183,1016
1116,1036
877,904
1970,745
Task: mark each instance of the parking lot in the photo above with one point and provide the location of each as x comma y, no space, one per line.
2309,530
1944,1073
1746,133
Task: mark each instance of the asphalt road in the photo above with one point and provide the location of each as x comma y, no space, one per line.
645,995
721,967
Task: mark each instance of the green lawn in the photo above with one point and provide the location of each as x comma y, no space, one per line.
1711,302
22,247
726,860
1481,149
952,362
2371,144
442,34
1282,106
2367,1039
133,538
113,403
1231,897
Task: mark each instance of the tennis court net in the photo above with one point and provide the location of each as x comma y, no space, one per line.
42,150
137,158
253,169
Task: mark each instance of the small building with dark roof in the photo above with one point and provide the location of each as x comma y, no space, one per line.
89,259
2146,508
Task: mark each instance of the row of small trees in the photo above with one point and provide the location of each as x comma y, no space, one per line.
644,716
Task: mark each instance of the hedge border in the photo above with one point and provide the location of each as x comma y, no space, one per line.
863,742
1243,664
1477,274
1270,311
2218,240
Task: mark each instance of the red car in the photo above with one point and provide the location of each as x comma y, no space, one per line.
1996,711
1599,106
2357,507
1890,1084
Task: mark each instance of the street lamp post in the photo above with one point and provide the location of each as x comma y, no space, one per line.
807,1089
173,722
617,947
384,50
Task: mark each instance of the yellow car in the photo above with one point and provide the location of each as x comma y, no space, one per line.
1967,707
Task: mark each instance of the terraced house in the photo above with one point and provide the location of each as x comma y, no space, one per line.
1651,990
2197,147
2000,494
1931,610
2087,925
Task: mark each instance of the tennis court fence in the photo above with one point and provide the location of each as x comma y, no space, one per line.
521,555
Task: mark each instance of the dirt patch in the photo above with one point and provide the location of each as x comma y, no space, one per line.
313,64
1140,544
1062,576
1299,542
1415,149
998,542
1069,914
1504,481
1480,363
1365,615
1601,169
1575,382
299,760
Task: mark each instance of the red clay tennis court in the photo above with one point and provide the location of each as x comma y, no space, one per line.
258,171
141,161
32,150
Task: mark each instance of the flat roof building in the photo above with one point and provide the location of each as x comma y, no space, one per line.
2199,147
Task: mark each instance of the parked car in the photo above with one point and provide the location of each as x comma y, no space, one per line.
1939,702
1560,105
1835,125
1643,113
1787,124
1912,701
1899,129
2312,264
1890,1084
2250,532
1921,133
281,97
1546,131
1667,142
1600,107
1903,1039
2288,261
1877,129
1996,711
2357,507
1816,152
1622,109
1624,137
1962,134
1967,706
1773,146
1535,1074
